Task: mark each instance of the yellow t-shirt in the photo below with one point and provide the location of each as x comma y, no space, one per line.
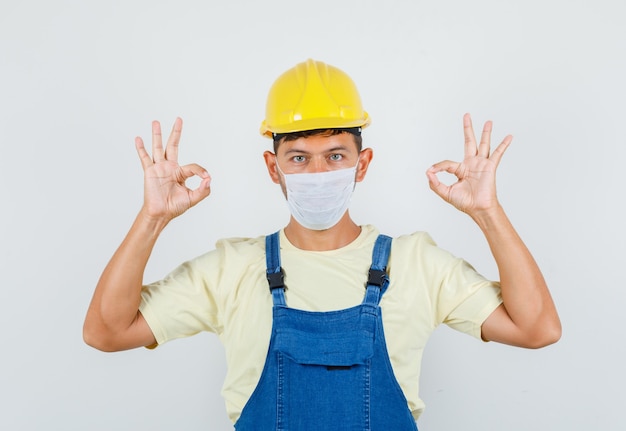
225,291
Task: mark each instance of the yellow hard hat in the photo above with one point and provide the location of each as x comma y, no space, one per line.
313,95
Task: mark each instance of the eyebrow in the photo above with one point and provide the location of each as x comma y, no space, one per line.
330,150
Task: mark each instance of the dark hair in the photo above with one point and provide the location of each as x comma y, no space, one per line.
358,140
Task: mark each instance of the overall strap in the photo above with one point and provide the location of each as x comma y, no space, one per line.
377,280
274,273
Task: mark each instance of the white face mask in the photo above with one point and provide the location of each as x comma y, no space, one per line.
318,201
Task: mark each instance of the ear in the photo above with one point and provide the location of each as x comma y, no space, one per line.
270,162
365,157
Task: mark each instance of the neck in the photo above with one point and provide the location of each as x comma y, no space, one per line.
340,235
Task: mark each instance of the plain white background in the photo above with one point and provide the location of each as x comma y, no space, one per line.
79,80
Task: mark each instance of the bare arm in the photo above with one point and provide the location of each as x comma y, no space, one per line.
113,320
527,317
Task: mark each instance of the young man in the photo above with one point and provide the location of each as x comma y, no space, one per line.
324,322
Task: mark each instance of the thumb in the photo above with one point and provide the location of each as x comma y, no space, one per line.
202,191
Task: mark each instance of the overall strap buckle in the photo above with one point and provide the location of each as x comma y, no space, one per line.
377,278
276,279
274,272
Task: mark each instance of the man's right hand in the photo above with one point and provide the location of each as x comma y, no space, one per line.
165,194
113,320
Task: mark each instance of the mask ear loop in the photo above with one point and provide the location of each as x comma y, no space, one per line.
278,166
356,169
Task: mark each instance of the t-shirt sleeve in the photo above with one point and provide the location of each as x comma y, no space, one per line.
185,301
467,298
458,295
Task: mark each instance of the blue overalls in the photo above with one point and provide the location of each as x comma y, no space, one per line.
327,371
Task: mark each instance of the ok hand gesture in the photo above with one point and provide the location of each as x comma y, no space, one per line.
475,190
165,194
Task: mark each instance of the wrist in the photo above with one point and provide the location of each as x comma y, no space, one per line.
489,217
151,222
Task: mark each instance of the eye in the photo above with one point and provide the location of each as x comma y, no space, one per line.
336,157
299,159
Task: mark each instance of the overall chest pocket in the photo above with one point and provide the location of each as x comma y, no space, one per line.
338,349
324,379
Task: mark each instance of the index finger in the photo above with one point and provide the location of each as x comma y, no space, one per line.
171,151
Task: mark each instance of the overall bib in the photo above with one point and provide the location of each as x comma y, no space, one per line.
327,371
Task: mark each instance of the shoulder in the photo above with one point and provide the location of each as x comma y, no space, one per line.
417,244
239,250
418,252
415,239
227,251
241,245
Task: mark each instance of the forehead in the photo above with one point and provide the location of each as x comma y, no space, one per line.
319,144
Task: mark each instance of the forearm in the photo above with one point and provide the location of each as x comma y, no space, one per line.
115,303
525,294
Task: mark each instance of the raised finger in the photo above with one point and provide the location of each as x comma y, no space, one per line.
470,138
171,151
485,140
158,155
497,154
146,160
